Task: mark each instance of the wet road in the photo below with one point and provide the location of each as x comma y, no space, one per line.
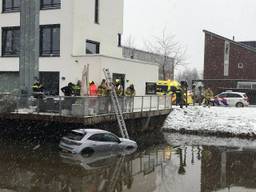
181,164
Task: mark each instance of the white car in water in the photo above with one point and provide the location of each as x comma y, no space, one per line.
235,99
88,141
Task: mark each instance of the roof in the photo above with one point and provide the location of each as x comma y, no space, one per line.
146,52
232,41
90,131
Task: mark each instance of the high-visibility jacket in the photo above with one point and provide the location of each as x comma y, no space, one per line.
130,92
93,90
37,87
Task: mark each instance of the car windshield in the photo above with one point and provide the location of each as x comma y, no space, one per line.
75,136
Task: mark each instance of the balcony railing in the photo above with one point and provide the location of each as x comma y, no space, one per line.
79,106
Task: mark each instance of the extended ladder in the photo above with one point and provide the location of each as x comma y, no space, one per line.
116,105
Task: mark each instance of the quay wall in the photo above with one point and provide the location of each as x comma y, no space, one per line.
17,125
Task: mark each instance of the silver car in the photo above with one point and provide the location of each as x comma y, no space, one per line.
88,141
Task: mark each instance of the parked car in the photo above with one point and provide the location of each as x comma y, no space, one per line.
88,141
237,99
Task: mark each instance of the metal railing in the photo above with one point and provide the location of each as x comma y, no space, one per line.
79,106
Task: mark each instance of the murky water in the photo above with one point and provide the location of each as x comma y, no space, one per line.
180,165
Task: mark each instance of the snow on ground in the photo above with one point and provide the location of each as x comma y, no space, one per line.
214,119
176,139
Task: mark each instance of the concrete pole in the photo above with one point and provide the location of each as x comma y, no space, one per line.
29,44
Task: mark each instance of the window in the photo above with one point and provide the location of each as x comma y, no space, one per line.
75,136
151,88
119,39
97,137
10,41
222,95
240,65
50,4
104,137
96,14
92,47
226,58
233,95
11,6
50,40
111,138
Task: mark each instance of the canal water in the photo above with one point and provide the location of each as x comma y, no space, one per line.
177,163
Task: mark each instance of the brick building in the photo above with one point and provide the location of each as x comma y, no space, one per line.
229,65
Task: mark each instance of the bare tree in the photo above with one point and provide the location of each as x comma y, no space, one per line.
188,75
129,41
168,53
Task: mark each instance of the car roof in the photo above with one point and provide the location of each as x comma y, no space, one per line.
90,131
233,92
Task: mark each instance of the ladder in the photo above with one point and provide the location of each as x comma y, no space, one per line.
116,105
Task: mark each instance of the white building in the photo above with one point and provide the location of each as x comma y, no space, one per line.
73,33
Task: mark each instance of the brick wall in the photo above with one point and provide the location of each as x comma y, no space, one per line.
214,63
214,60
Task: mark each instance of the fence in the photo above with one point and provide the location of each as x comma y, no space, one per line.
80,106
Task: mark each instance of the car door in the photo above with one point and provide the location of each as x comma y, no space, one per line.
222,99
97,142
234,98
112,142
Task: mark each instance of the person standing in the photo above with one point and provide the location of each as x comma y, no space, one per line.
68,90
119,88
104,99
37,89
208,95
130,93
92,89
194,94
180,97
77,88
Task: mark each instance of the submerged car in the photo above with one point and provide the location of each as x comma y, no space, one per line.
96,160
235,99
88,141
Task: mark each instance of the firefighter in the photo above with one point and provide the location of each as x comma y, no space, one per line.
38,90
77,88
179,97
104,100
102,89
129,100
194,94
37,87
130,91
208,95
119,88
68,90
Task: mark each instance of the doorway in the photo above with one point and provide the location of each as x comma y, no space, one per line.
50,81
120,77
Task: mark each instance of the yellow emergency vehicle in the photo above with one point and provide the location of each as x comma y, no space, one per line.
168,87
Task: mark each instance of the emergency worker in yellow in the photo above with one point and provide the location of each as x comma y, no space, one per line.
208,95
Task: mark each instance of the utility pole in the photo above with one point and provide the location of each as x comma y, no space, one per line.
29,45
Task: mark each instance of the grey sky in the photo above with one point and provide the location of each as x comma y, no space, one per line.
186,19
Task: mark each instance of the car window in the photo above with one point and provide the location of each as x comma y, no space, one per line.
222,95
111,138
75,136
97,137
233,95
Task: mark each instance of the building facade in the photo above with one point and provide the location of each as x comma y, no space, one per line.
229,65
72,34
